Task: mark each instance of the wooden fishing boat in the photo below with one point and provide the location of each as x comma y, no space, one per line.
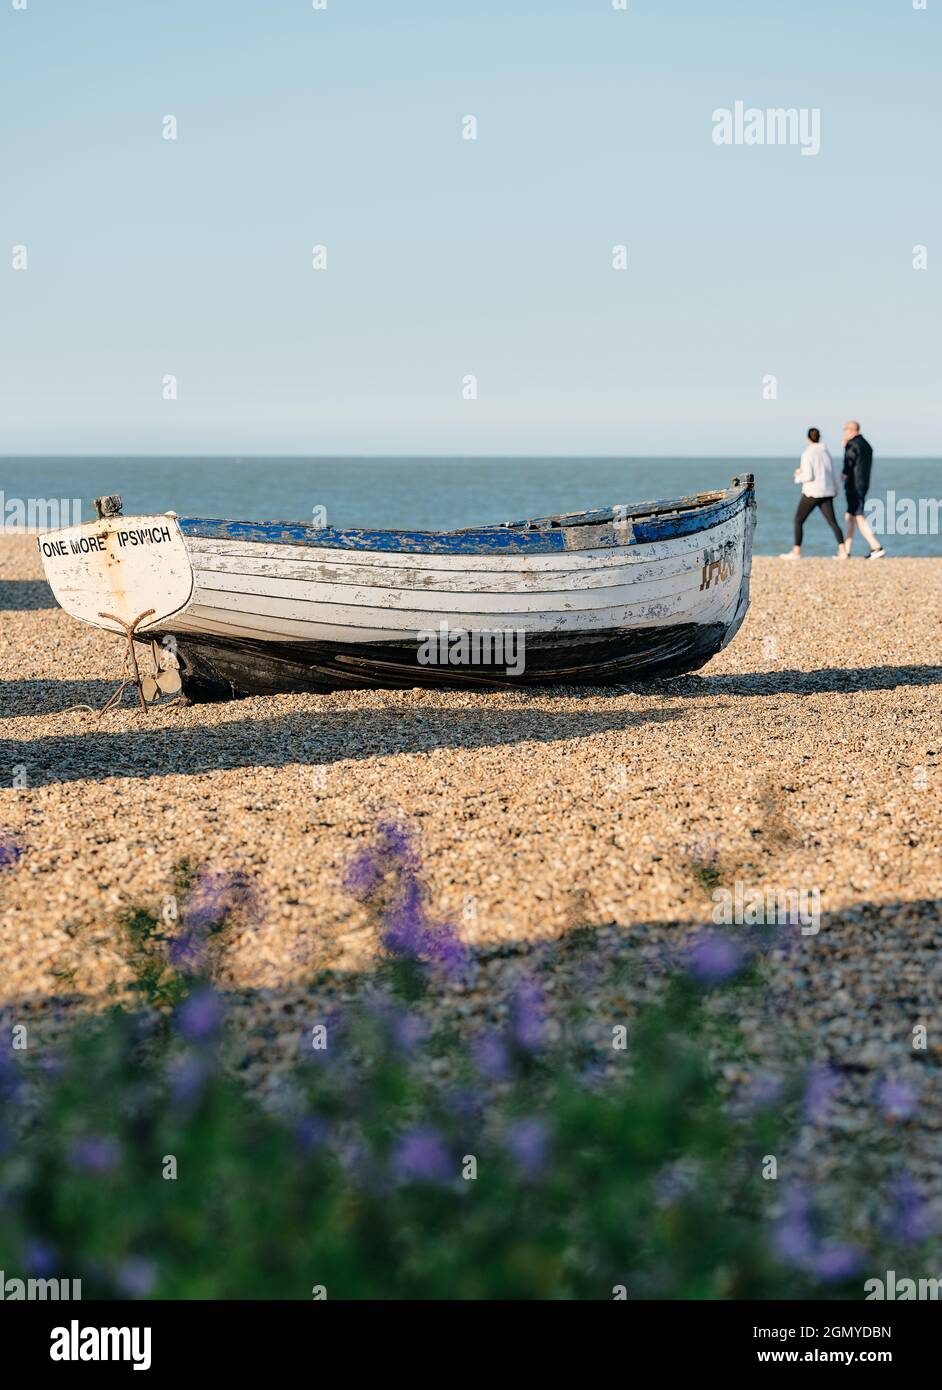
626,592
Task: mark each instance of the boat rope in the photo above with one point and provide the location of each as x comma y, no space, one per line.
130,657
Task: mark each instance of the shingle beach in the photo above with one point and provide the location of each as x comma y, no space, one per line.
808,755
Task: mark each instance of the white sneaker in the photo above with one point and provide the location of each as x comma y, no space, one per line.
877,554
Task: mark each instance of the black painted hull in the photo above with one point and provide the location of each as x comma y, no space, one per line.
220,668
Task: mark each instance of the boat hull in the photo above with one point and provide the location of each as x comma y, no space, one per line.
216,668
608,597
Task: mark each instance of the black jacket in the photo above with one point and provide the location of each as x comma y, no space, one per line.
858,461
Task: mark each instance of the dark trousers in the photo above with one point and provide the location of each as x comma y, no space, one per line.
806,506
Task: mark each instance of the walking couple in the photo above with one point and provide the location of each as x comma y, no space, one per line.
820,485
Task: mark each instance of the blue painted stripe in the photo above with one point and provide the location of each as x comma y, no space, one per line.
485,541
665,528
597,529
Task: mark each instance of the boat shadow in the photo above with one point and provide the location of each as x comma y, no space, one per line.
38,697
840,680
308,739
24,595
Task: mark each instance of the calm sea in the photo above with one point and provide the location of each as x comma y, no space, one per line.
441,493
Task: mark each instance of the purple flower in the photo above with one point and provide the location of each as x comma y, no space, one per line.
393,849
188,1076
674,1182
491,1055
594,1073
421,1155
353,1157
364,874
136,1277
385,875
95,1155
527,1143
11,1082
765,1090
311,1133
408,1032
794,1242
896,1099
713,958
465,1105
214,896
704,853
187,951
909,1218
404,926
834,1263
396,841
446,950
784,937
39,1259
528,1015
52,1065
407,931
11,850
200,1016
793,1235
822,1085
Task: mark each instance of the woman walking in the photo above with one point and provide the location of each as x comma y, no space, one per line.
819,486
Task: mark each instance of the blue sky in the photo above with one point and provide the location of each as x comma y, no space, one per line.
448,257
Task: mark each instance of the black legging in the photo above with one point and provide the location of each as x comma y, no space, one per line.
806,506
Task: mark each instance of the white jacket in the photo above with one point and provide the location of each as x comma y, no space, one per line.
817,473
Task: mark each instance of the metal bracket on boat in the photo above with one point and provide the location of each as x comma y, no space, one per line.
130,656
108,506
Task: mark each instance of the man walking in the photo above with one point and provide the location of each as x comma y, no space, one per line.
858,461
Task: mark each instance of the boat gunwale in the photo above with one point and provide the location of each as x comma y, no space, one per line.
538,534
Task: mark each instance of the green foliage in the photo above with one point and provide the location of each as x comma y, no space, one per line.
183,875
645,1180
705,872
400,1160
154,978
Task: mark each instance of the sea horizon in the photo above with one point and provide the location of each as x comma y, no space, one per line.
433,457
397,491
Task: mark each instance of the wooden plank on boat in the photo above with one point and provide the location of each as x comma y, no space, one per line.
302,615
425,601
360,578
563,562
